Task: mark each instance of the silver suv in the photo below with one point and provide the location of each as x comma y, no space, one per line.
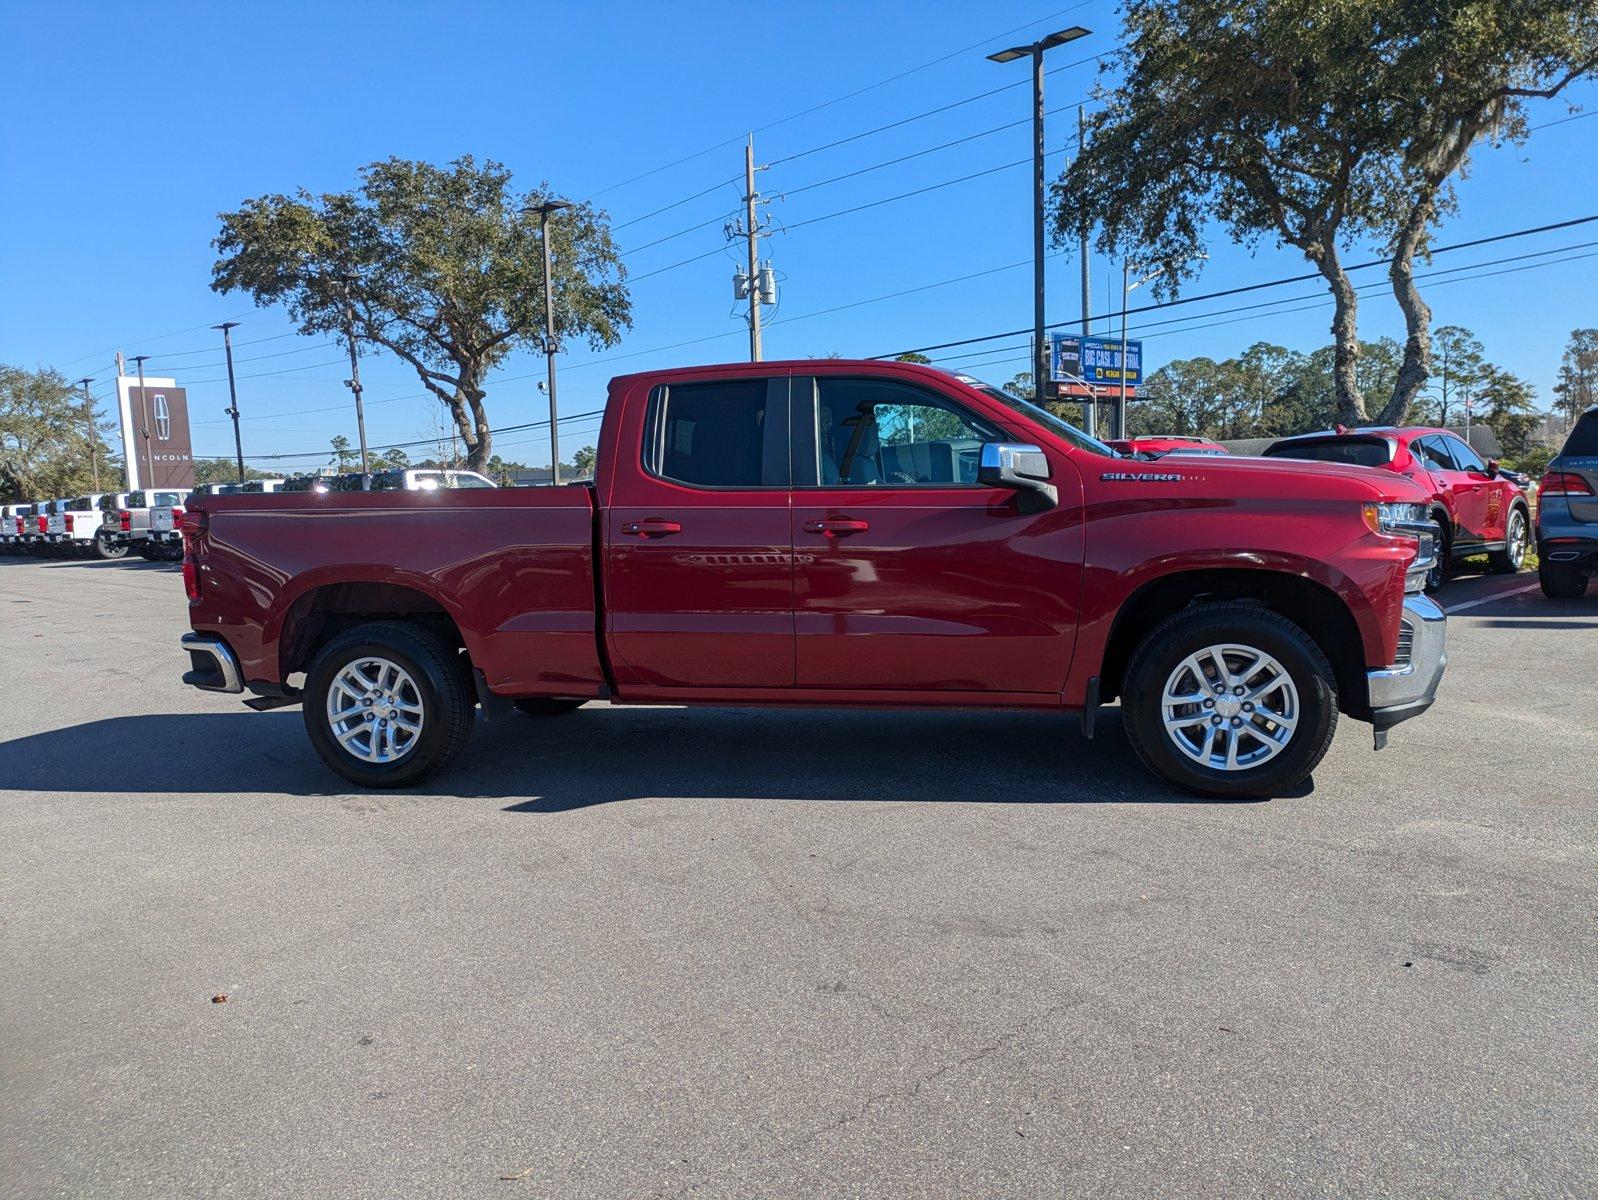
1567,513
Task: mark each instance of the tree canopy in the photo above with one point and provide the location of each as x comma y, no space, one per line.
440,265
1316,124
45,438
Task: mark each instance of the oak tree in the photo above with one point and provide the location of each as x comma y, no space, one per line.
439,265
1315,124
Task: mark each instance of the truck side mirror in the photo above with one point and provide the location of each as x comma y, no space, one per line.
1018,466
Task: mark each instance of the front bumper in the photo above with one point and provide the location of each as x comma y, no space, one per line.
1407,688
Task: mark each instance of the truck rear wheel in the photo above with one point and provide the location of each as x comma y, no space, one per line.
386,704
1230,700
105,548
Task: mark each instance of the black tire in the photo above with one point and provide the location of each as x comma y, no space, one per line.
1190,632
146,551
448,707
548,706
107,550
1560,582
1510,559
1439,574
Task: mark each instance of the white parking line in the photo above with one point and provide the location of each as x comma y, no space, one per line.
1455,608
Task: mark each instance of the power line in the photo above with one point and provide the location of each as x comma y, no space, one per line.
1252,287
839,100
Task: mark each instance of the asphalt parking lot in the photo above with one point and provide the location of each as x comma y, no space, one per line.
639,952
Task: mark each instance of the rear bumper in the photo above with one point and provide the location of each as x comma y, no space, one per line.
1407,688
1568,551
213,667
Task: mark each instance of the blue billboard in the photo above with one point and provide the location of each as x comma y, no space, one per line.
1075,360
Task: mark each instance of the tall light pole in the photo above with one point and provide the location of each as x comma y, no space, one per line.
543,210
354,381
1035,50
144,429
232,393
88,416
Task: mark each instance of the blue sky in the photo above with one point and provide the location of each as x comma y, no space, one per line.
129,127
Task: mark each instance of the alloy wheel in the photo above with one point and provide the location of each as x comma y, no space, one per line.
1230,707
375,710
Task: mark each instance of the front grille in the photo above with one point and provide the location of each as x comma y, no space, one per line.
1406,644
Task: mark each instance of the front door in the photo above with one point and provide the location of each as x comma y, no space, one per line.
909,575
1481,496
698,555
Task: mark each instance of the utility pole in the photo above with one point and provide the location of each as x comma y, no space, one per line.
1090,406
1126,290
752,233
233,393
88,416
144,429
354,381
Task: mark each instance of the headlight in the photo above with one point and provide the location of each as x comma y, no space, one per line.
1398,520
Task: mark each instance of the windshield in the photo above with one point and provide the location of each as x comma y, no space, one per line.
1040,416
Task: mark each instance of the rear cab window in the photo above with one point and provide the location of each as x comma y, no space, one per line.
728,433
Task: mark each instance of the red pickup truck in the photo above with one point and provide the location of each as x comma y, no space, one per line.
830,533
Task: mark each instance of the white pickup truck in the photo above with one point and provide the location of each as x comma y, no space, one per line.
133,521
76,523
10,530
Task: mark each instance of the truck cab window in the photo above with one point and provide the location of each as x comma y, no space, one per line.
721,435
876,433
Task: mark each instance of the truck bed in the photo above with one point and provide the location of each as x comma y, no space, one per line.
513,568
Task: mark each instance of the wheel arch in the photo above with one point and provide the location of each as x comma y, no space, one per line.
324,610
1312,606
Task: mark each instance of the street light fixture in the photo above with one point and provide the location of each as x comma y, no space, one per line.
1035,51
543,212
88,415
232,392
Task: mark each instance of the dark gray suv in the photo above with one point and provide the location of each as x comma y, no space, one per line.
1567,513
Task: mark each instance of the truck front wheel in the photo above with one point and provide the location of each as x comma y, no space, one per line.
386,704
1230,700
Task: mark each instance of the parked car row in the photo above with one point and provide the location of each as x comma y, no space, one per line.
148,522
103,525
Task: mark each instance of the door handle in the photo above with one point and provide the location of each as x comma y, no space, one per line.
837,526
652,527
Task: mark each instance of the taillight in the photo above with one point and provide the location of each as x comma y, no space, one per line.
44,524
191,524
69,522
125,519
177,516
1564,483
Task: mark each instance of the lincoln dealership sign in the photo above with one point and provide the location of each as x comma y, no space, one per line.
155,433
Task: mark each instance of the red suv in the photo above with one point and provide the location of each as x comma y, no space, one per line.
1475,508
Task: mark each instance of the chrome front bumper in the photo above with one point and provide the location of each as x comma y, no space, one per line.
1407,687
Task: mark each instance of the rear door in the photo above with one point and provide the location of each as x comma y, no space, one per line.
910,576
698,552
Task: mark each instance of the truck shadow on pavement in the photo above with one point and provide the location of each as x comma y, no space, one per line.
601,755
